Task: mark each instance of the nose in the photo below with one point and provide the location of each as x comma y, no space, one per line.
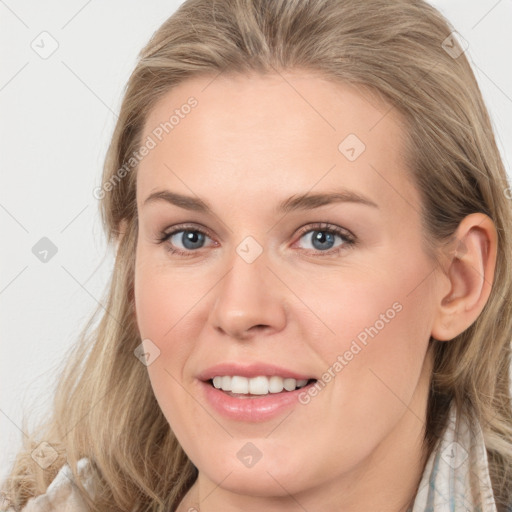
249,300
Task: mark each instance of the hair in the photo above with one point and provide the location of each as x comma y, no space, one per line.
104,406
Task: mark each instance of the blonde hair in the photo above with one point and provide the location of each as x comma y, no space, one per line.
104,406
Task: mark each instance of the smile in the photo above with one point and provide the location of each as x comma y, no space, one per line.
252,407
260,385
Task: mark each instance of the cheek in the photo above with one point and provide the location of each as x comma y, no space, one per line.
158,313
151,303
383,356
164,299
373,360
157,309
167,310
379,333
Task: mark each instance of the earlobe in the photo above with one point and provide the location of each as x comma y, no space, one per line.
470,271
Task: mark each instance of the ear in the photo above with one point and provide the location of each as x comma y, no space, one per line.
470,273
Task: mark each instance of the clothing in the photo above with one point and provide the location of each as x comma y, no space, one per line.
455,479
62,495
456,476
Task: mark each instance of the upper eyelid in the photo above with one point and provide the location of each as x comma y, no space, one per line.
325,226
186,227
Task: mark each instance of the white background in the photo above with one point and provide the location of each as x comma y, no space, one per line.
57,118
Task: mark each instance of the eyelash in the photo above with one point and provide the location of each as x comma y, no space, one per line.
349,240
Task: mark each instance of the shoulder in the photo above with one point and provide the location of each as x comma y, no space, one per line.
62,494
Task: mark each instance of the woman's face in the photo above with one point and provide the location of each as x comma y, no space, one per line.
298,256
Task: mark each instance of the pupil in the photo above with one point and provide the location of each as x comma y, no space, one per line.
322,236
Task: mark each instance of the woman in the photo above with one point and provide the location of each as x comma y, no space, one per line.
310,307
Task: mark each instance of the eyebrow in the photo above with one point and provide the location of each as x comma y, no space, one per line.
298,202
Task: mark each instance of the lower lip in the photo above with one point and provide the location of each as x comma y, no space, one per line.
253,409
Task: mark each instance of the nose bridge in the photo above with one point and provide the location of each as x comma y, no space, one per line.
247,296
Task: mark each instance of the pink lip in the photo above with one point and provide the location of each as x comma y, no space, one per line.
250,408
255,410
250,370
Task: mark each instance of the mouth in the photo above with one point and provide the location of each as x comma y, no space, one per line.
238,386
254,399
254,391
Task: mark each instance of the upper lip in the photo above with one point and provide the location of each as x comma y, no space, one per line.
249,370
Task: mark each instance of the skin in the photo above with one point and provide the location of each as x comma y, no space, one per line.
252,142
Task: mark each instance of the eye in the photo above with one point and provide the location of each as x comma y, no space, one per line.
322,238
184,240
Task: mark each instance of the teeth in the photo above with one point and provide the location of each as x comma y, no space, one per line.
256,385
239,384
275,384
226,383
289,384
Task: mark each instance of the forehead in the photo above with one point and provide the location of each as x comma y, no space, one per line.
276,133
